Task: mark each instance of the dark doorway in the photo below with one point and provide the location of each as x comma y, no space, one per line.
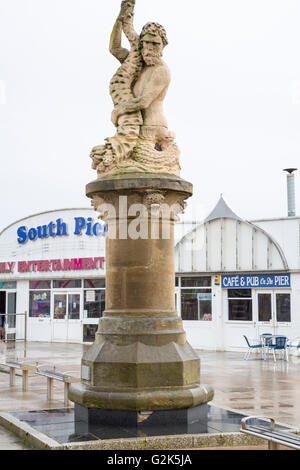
2,313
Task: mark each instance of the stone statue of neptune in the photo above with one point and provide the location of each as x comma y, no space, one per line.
142,142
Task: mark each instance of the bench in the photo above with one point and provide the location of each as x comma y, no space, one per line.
274,437
53,374
25,368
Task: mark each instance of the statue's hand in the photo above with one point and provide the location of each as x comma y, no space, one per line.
127,9
117,112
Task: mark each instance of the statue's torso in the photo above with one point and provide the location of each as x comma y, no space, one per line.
153,115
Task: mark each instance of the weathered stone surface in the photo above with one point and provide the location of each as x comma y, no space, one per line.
170,442
134,181
168,398
140,359
142,142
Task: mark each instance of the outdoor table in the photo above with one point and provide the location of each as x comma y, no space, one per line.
271,340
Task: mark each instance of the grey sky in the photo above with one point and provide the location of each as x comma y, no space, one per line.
234,101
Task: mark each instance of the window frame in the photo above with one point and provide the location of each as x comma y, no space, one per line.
207,289
249,298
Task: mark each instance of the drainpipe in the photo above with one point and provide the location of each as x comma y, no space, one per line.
291,191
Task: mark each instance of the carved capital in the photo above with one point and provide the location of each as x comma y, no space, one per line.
154,198
101,202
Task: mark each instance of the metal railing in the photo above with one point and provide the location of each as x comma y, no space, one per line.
8,327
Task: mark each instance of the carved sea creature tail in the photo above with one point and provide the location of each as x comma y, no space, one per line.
121,85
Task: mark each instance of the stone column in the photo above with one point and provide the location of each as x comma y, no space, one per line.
140,359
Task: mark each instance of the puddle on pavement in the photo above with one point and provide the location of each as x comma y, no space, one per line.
236,389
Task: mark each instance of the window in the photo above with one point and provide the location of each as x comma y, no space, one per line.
204,307
39,304
94,283
40,285
8,285
195,281
94,303
239,293
196,304
283,307
89,333
67,284
239,304
195,294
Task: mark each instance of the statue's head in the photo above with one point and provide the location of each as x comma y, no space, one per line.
153,39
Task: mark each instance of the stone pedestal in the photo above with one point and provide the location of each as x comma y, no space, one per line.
140,359
107,424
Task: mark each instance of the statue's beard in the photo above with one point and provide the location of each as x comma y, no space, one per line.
151,58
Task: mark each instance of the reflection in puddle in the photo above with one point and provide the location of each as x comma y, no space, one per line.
59,424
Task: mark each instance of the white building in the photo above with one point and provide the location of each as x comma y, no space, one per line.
52,267
233,277
249,273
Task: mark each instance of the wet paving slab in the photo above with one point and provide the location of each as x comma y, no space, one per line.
8,441
255,387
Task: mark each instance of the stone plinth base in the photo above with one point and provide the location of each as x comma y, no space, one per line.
135,400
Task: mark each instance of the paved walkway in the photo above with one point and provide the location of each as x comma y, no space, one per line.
9,441
252,387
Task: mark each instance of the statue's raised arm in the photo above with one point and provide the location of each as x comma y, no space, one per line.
124,22
143,142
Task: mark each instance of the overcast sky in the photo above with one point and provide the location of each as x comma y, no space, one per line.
234,100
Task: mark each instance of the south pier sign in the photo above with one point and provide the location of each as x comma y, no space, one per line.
59,228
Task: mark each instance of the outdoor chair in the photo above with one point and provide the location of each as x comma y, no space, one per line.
266,341
267,338
281,346
265,335
251,347
294,343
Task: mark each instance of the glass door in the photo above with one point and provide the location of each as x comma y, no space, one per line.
177,297
59,331
66,316
10,330
74,326
93,308
266,321
265,307
274,312
60,306
283,308
74,306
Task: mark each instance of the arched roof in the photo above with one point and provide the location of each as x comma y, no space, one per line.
225,242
